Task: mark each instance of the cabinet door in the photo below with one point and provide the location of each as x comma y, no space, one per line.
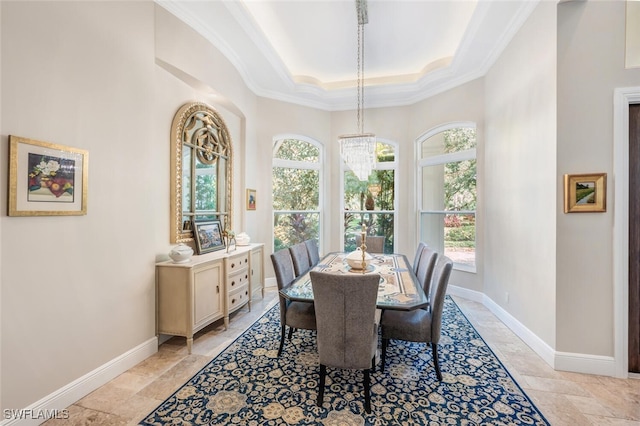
256,276
207,294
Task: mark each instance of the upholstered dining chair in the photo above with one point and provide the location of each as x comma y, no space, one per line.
375,243
300,257
292,314
312,250
426,265
347,332
416,258
420,325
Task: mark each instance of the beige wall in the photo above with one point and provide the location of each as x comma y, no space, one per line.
77,291
590,65
520,179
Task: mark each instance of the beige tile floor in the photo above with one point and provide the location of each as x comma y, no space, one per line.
564,398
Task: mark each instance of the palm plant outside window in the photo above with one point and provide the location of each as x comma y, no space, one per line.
447,189
296,191
371,202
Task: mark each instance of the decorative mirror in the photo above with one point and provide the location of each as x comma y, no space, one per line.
201,170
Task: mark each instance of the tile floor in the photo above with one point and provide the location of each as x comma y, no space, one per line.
564,398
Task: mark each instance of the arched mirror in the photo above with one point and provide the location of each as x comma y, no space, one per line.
201,170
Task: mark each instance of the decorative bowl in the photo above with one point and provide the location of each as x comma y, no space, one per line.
354,259
243,239
181,253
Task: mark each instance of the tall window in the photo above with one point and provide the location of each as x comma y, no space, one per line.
371,203
447,189
296,191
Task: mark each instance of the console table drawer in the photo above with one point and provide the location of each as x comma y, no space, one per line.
238,298
238,280
237,263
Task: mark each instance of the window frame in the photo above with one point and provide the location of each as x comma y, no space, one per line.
302,165
435,160
384,165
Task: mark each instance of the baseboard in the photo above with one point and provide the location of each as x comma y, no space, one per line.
271,282
54,404
563,361
465,293
587,364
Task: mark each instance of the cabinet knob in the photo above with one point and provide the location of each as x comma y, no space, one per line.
233,283
233,301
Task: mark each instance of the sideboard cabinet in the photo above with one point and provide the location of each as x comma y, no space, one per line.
192,295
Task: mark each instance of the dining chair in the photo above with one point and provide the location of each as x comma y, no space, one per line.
347,332
426,266
292,314
300,257
420,325
375,243
416,258
312,250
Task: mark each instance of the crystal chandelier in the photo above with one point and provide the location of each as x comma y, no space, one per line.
359,151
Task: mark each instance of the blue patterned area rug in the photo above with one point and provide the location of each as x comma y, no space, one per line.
247,384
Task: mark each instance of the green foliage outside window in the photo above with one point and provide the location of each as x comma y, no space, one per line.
295,195
364,202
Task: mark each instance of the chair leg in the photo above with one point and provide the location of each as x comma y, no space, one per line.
434,349
367,394
282,334
290,332
323,373
385,343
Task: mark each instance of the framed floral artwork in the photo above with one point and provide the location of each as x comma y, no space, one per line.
585,193
46,179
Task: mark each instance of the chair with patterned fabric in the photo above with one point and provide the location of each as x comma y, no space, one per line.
347,332
293,314
420,325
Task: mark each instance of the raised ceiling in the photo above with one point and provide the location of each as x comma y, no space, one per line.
304,51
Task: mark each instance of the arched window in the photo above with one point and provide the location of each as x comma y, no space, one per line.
371,203
447,192
296,190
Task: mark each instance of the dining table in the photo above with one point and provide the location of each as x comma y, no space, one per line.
399,287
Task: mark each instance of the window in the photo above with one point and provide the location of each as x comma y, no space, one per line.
447,192
371,203
296,191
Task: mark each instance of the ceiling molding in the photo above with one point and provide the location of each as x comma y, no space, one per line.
231,28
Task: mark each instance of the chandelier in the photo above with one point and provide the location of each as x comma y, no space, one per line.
359,150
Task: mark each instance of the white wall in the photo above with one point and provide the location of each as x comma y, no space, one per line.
591,64
78,291
520,178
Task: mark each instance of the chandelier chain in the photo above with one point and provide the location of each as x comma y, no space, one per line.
360,83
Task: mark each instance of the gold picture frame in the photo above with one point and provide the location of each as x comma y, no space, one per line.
585,193
251,199
46,179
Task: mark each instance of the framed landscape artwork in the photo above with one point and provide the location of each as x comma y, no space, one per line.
208,236
585,193
46,179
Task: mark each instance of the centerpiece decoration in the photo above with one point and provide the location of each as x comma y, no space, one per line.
359,259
